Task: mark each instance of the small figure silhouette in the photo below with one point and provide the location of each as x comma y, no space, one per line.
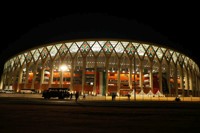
77,96
71,95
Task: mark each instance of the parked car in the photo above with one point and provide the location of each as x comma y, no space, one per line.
61,93
2,91
7,91
27,91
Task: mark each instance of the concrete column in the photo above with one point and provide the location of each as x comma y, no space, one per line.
14,78
118,77
196,84
189,80
130,74
181,76
61,79
107,63
151,76
51,75
186,82
19,79
168,78
34,76
72,75
41,79
83,75
141,75
175,80
9,79
134,77
160,77
27,76
95,76
1,83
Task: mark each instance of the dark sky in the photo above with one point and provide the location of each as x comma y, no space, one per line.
177,22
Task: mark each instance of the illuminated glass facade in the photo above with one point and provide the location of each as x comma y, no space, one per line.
102,67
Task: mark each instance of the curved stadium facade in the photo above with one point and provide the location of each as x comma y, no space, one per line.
101,67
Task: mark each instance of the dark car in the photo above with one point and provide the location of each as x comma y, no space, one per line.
61,93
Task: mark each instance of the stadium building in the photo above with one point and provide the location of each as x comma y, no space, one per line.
103,66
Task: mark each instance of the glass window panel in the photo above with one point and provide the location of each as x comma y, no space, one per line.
90,43
159,53
11,62
140,50
119,49
28,57
84,48
163,49
114,43
181,60
49,48
96,48
174,57
155,48
58,45
44,53
80,43
73,49
135,44
102,43
68,44
107,48
150,52
36,55
125,44
53,51
63,50
186,61
168,55
130,49
145,46
21,59
40,49
33,51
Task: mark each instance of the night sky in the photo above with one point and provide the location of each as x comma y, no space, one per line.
177,23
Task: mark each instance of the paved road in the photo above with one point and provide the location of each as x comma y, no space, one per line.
31,114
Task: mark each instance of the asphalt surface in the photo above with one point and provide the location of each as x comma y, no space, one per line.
35,114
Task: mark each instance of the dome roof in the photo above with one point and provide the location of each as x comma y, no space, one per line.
86,26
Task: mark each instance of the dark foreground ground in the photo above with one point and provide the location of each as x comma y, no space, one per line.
40,116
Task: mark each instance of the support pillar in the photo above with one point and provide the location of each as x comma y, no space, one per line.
160,78
175,80
118,77
151,77
83,75
95,76
41,79
141,76
72,75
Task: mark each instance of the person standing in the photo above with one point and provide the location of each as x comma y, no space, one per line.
71,95
76,96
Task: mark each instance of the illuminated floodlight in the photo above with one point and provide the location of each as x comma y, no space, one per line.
63,68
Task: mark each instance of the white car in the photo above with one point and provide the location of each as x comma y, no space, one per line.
9,91
2,91
27,91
